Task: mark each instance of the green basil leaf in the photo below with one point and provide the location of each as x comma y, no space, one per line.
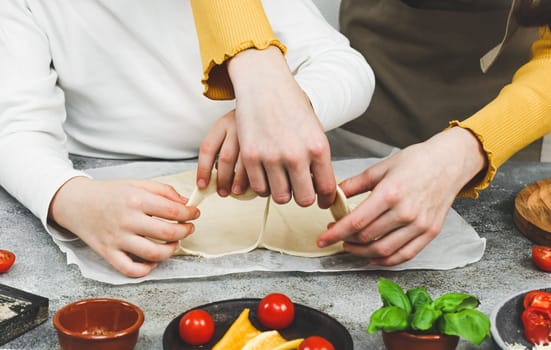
418,297
470,324
393,295
388,319
425,317
453,302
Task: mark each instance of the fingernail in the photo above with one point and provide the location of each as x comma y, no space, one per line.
236,189
223,192
197,214
322,244
201,183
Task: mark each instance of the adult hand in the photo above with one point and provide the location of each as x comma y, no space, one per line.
118,219
411,192
283,147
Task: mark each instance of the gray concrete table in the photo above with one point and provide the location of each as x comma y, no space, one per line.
350,297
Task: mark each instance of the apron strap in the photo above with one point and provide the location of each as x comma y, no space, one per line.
491,56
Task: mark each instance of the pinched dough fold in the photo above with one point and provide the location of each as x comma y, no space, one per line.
239,224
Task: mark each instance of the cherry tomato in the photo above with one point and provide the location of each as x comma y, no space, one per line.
316,343
7,259
541,255
537,298
276,311
196,327
537,325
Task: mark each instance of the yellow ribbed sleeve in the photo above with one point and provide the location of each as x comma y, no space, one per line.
225,28
518,116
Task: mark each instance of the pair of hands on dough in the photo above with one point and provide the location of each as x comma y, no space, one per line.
279,146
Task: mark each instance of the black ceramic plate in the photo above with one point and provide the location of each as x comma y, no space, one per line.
506,325
307,322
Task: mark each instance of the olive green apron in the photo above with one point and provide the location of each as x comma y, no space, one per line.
426,58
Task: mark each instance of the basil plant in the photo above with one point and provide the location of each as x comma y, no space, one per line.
415,311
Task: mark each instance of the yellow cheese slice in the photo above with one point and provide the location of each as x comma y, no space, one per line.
239,333
265,340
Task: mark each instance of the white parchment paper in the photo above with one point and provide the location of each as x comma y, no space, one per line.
457,245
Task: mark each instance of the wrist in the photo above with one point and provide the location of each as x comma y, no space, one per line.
470,157
251,66
65,196
476,159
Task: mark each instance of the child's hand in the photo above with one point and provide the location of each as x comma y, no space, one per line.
118,219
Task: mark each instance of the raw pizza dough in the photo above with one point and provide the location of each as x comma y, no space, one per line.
239,224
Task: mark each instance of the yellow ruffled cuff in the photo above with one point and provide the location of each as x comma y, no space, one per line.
482,180
225,28
518,116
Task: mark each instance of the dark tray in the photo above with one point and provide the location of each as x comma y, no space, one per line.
20,312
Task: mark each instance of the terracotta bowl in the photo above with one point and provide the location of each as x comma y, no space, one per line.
411,341
98,324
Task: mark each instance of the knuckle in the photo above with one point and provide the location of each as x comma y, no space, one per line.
357,224
384,250
171,211
249,155
168,189
363,237
408,216
227,158
207,147
169,234
293,161
422,225
433,230
152,255
204,169
124,223
271,159
325,189
134,201
393,195
408,255
319,149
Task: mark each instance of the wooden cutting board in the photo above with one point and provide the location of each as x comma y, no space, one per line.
532,214
20,311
